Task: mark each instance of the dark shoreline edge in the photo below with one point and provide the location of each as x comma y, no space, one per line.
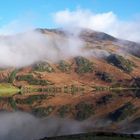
89,136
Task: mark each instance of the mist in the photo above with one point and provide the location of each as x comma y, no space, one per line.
24,49
24,126
27,48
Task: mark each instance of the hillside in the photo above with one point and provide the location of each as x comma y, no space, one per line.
97,87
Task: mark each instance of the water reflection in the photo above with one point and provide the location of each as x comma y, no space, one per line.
111,111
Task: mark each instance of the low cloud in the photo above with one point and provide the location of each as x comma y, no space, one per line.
106,22
24,49
30,47
24,126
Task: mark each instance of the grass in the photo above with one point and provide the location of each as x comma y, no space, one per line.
104,100
120,62
42,67
12,76
32,81
12,102
31,99
123,112
64,66
42,111
105,76
8,89
84,111
83,65
117,88
64,110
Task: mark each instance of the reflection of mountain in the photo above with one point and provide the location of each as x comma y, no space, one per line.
65,88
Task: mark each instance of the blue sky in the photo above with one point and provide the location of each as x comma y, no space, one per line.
115,17
40,11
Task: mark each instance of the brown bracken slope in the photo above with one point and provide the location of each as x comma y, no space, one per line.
71,88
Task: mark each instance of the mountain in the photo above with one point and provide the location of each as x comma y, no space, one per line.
97,86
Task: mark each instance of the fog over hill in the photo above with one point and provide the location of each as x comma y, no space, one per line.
55,44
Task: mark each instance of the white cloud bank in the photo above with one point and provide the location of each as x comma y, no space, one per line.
25,49
30,47
105,22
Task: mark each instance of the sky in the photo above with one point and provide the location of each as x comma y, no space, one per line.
17,14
